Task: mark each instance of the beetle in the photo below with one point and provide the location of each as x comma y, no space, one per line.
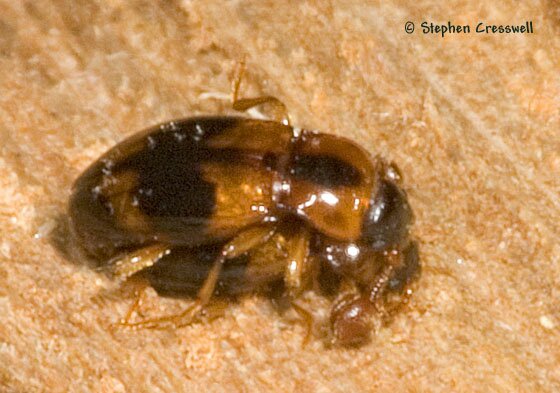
227,204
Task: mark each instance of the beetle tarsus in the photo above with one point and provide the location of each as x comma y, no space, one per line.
308,319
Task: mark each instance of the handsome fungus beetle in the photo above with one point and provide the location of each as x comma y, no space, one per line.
233,205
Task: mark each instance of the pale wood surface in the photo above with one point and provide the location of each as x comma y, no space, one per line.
473,121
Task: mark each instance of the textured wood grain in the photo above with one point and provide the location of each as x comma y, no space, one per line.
472,120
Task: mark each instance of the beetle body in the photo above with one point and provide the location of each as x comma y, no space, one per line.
230,187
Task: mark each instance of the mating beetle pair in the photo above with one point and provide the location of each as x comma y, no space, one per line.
233,205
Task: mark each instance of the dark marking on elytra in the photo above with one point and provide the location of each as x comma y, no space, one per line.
325,170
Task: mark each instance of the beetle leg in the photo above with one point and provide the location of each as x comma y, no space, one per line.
308,319
135,261
139,295
407,269
132,263
298,267
297,274
239,245
279,109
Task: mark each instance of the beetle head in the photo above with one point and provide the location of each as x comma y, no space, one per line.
350,321
385,224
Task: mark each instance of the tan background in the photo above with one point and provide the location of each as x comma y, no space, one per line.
473,121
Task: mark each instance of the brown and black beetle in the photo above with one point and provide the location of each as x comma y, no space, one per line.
239,204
